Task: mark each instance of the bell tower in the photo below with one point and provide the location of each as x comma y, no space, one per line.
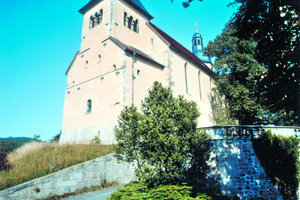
197,47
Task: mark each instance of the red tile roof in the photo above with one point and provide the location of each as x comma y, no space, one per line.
181,50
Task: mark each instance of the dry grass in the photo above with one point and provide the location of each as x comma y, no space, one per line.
34,160
23,150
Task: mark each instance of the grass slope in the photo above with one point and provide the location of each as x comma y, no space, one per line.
34,160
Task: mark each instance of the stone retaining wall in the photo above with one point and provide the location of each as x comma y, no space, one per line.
91,173
236,168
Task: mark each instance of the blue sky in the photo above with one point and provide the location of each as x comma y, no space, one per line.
38,40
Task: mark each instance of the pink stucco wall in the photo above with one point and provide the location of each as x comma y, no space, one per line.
102,72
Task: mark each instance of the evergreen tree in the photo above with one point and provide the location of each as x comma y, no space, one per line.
163,139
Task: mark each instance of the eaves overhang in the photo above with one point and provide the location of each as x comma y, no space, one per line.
138,53
74,58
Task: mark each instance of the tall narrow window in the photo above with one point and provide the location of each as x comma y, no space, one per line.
91,24
95,21
199,82
135,26
125,19
186,79
100,16
129,22
89,106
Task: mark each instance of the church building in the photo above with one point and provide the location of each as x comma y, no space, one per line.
121,55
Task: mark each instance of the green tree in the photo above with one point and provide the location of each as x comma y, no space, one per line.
238,74
186,3
37,138
280,157
275,28
163,139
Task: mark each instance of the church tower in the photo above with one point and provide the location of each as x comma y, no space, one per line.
198,48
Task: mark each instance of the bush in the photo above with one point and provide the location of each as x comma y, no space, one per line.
10,145
142,191
3,161
280,158
163,139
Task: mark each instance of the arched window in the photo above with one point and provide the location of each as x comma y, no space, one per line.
186,79
88,106
199,42
199,82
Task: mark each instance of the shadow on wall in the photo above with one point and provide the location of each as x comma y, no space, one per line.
220,113
234,165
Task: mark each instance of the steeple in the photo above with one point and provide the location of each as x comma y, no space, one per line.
197,46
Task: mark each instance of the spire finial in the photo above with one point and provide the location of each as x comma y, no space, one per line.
196,26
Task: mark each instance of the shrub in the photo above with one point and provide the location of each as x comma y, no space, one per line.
142,191
3,161
280,158
96,139
10,145
163,139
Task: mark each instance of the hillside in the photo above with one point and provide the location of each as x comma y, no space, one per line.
17,139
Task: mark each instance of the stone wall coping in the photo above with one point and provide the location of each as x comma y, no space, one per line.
35,181
251,126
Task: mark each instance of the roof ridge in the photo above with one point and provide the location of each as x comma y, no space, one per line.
181,50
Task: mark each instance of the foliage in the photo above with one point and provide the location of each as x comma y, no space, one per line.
223,118
3,161
10,145
37,138
56,137
239,73
186,3
258,63
280,158
275,28
48,158
142,191
163,139
96,139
